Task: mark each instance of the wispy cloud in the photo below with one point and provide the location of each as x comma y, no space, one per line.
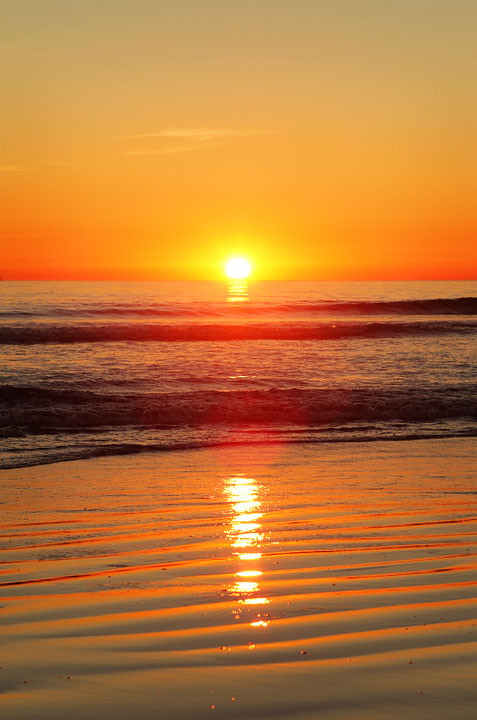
53,162
18,168
197,138
164,150
14,168
199,134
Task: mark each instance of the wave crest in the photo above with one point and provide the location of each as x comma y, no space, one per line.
35,410
143,332
436,306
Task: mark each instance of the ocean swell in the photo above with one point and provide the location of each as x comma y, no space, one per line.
439,306
37,411
142,332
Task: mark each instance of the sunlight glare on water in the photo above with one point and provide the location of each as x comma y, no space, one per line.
245,530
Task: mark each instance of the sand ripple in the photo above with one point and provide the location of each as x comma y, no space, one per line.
338,582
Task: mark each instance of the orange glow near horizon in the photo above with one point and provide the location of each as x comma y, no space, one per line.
304,140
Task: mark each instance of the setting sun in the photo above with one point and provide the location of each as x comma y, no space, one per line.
237,268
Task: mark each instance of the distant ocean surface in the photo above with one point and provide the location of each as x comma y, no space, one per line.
91,369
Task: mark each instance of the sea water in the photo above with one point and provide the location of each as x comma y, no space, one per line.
102,368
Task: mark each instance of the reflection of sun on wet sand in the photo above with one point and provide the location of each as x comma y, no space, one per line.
244,533
327,581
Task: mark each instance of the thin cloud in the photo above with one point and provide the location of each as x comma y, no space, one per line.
198,138
165,150
198,133
29,168
13,168
53,162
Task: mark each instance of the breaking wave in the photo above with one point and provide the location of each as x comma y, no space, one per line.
142,332
440,306
39,411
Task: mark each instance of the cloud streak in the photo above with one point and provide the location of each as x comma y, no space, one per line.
165,150
197,138
13,168
17,168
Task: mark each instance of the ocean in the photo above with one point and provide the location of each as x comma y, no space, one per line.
102,368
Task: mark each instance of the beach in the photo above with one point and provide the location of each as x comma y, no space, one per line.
331,580
238,344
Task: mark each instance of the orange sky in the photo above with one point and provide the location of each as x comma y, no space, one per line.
328,139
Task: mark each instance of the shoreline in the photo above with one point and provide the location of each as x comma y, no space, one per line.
184,447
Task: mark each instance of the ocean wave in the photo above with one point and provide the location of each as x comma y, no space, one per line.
33,410
142,332
439,306
32,455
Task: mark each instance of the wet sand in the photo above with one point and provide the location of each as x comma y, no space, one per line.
331,581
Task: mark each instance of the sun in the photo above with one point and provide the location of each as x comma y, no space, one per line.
238,268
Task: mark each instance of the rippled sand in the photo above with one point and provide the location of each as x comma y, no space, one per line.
330,581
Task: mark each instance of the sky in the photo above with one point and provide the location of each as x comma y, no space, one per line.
321,139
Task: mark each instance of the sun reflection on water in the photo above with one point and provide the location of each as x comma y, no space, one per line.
237,291
241,588
255,601
244,531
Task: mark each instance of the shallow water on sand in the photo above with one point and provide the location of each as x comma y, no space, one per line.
334,581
